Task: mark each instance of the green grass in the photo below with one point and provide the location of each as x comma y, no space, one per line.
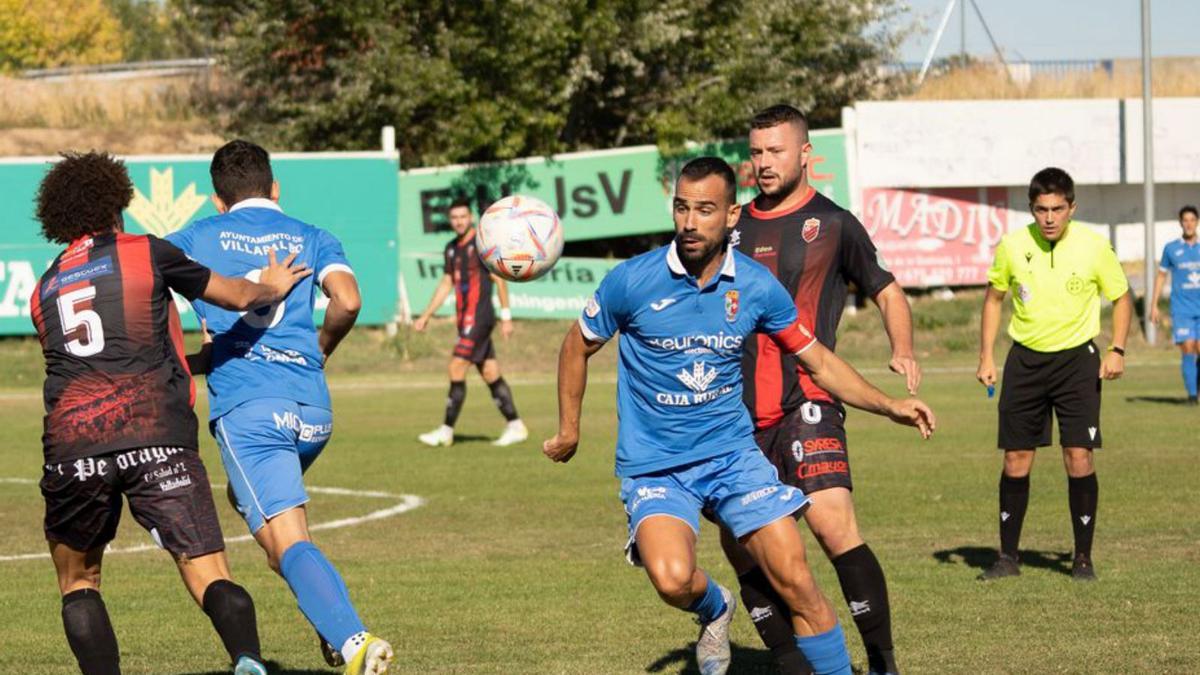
514,564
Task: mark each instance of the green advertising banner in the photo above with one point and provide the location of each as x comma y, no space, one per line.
610,193
561,294
352,195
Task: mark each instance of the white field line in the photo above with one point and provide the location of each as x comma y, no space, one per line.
405,504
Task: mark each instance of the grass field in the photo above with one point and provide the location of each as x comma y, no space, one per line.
513,564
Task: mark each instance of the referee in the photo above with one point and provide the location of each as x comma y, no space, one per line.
1057,271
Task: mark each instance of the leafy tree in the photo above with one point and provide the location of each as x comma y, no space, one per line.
155,29
499,79
35,34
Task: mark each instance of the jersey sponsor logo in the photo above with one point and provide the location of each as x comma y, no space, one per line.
812,228
731,305
1074,285
155,455
759,494
700,378
662,304
815,446
308,433
92,270
592,308
687,342
1193,280
764,252
645,494
813,469
262,244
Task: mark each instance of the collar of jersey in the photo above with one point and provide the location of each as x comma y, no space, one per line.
255,203
728,268
771,215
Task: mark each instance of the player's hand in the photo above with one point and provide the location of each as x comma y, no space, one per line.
561,448
1112,367
205,336
907,366
914,413
1154,315
506,328
420,324
282,276
986,373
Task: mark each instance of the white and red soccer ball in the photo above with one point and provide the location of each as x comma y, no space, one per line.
519,238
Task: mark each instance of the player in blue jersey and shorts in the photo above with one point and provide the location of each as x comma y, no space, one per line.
1181,259
685,442
270,410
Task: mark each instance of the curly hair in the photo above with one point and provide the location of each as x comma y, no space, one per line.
83,194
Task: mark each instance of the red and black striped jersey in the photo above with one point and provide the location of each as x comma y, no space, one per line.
472,282
116,375
815,249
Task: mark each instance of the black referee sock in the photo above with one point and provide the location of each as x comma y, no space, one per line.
503,398
231,611
865,590
1014,498
90,633
1083,494
773,621
454,402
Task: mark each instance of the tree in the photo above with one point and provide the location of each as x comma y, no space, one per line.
37,34
500,79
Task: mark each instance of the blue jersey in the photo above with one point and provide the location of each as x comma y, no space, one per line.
1182,260
271,351
679,376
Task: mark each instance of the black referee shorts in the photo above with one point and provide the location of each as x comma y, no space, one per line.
1036,383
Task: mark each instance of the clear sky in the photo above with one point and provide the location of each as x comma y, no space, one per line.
1058,29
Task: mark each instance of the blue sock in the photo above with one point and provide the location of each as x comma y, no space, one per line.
1189,373
826,652
320,592
710,605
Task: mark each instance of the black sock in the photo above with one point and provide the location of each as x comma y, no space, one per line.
503,398
773,621
231,610
1083,493
1014,497
90,633
865,590
454,402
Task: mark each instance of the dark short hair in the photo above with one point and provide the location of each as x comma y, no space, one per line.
1052,181
82,194
703,167
460,203
779,114
1189,209
241,170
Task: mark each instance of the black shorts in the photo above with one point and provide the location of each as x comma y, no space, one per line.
1036,383
168,494
475,343
808,447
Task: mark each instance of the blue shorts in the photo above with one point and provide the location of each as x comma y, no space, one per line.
742,489
1185,327
266,446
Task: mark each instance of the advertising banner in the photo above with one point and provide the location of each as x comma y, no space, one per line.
352,195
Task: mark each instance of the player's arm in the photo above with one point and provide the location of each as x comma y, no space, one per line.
1159,280
839,378
572,382
439,296
506,325
201,361
273,285
1113,365
897,321
344,305
989,324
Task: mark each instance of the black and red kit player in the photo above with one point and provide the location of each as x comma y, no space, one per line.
816,249
118,394
475,318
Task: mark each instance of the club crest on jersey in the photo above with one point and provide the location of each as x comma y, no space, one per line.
731,305
812,227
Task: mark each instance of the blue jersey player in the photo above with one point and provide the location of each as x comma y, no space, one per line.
270,408
685,442
1181,259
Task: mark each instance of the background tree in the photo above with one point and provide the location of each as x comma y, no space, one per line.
36,34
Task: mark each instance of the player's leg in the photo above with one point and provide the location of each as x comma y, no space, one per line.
489,370
83,508
1189,348
170,496
457,369
1076,396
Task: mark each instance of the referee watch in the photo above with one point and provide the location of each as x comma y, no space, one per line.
1119,350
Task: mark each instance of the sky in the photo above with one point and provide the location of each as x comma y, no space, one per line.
1057,29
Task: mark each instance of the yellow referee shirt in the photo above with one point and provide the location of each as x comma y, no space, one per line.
1056,286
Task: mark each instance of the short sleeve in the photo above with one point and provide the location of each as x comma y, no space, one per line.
181,274
331,257
1165,263
605,312
779,320
1000,273
1109,274
861,262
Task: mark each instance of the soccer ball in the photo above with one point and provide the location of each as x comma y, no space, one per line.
519,238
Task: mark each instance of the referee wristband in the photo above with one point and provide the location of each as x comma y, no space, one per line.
505,314
1119,350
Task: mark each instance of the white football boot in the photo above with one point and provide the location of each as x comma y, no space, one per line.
442,435
514,433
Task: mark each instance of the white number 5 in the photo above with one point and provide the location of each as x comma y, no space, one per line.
89,320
